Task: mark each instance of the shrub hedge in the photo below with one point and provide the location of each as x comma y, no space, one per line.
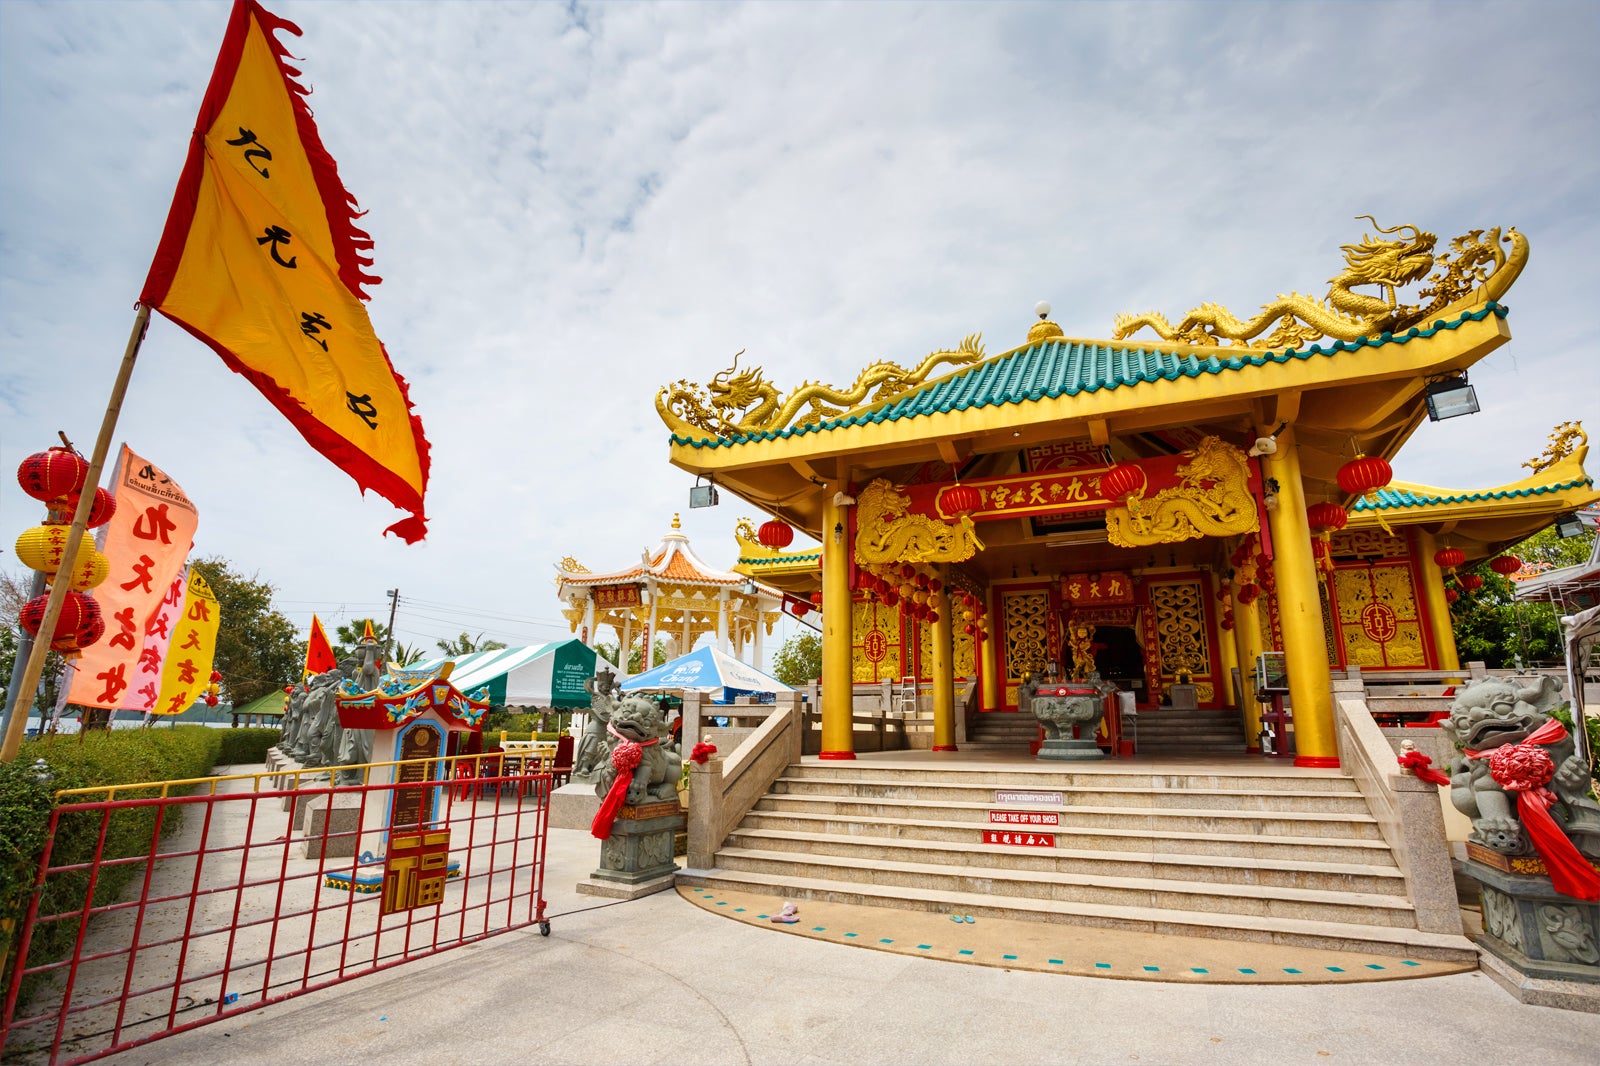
86,760
244,747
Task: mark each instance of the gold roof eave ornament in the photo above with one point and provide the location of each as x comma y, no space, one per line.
1476,270
744,403
1212,499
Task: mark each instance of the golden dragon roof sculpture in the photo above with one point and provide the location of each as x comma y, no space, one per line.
1475,270
744,403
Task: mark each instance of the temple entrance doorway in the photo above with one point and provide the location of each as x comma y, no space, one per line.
1120,659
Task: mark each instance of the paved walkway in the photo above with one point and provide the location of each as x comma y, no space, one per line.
669,979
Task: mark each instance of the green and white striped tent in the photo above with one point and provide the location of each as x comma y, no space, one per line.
544,675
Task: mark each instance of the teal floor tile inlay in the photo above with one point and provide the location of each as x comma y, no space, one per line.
738,910
1336,969
763,916
1409,962
924,947
964,951
852,934
1373,966
819,929
1288,969
1013,958
722,903
1055,962
1152,969
1196,969
1102,966
885,940
1246,971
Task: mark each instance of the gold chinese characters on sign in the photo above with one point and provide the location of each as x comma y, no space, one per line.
414,873
607,597
1476,270
1097,590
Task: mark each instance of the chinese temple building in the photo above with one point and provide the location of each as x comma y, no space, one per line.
670,593
1159,507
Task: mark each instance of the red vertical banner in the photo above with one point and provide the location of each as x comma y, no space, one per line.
147,541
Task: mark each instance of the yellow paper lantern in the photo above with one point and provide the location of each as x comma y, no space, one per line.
41,547
89,570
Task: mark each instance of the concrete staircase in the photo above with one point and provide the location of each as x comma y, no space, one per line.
1202,731
1264,853
1001,731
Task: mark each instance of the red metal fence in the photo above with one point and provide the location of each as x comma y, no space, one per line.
251,895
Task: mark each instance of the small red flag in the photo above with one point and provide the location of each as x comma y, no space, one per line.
319,653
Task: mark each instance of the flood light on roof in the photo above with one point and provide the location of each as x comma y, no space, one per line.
1449,397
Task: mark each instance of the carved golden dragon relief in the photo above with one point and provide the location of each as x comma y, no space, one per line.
886,533
1212,499
744,402
1566,438
1475,270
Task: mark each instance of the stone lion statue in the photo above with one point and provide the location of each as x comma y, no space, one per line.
639,721
1494,717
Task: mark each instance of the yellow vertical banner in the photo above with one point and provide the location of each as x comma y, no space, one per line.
187,672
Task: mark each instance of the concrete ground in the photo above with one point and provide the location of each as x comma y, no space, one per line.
673,978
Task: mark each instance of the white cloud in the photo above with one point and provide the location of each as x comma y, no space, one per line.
572,207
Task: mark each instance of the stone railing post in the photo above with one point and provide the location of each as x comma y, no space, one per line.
705,812
691,722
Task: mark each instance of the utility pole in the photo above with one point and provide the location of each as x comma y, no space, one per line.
388,635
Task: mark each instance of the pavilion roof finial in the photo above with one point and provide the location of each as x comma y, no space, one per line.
1043,329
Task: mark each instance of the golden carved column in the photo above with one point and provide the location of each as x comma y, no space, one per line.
1444,636
993,685
1300,611
944,701
1227,654
1247,639
838,730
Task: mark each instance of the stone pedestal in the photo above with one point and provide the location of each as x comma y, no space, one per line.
1183,698
297,802
1546,946
1071,749
343,822
574,806
637,858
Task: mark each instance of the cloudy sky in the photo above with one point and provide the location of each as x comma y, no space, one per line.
576,204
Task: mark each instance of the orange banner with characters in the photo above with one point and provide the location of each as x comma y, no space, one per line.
262,261
187,672
146,543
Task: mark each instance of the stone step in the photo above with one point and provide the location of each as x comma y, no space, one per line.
1070,888
1270,928
1297,873
1262,823
940,792
1257,776
1140,841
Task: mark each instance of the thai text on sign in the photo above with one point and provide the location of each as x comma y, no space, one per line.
1042,799
1019,839
1024,818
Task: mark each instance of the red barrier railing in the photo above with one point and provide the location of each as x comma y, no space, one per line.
233,903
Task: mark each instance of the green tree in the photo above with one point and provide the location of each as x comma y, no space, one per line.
635,666
348,635
1492,627
13,594
799,660
466,644
406,654
258,648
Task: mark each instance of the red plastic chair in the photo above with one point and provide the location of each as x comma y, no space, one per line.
561,768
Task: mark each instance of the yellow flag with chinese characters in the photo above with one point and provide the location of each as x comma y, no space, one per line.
261,260
187,672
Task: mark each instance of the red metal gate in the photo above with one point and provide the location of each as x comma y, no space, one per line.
231,907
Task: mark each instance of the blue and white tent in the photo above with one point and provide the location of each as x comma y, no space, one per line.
707,670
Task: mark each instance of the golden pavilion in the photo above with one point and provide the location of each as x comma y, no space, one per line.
1160,506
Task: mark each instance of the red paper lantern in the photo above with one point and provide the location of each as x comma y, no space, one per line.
51,474
77,626
775,534
1122,481
1505,565
801,609
216,675
1451,595
908,571
1365,474
211,701
288,690
100,511
963,499
1471,582
932,616
1449,558
891,598
816,599
1328,516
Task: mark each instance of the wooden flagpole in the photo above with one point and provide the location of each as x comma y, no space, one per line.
28,688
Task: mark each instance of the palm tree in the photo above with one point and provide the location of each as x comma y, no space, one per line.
406,654
466,644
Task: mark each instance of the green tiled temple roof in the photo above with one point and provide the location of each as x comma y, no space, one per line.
808,557
1390,499
1055,368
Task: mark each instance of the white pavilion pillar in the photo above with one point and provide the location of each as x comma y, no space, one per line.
588,622
688,631
647,657
722,621
624,642
755,658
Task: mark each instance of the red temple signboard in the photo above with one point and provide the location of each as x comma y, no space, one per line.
1106,589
